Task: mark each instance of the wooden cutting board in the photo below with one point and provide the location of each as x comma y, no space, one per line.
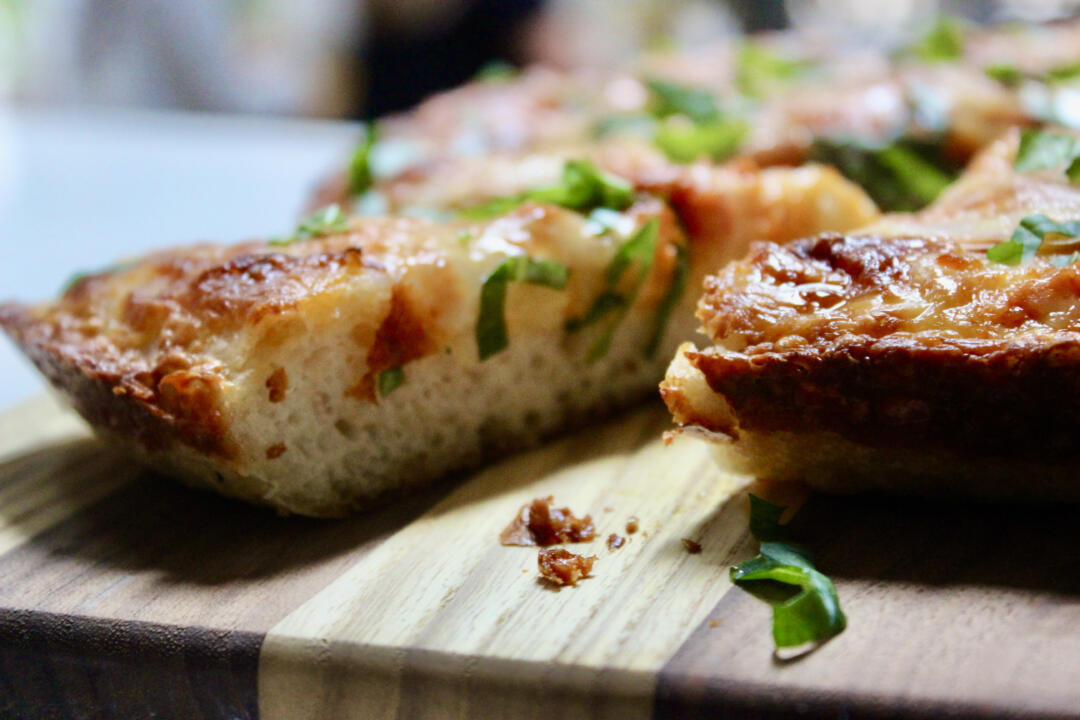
123,595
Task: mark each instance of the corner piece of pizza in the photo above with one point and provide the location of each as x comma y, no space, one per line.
934,353
365,355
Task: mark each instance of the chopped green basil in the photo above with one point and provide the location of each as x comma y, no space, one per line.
765,519
942,43
906,174
1007,75
1063,73
496,71
326,221
805,606
685,142
758,70
1029,237
390,380
1043,150
583,187
1062,261
1011,76
673,99
491,335
639,248
680,274
636,124
360,175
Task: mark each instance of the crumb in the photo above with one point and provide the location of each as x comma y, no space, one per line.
645,533
691,547
525,570
537,523
614,542
275,451
562,567
669,437
609,509
632,525
714,623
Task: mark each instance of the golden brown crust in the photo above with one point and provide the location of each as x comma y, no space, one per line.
905,335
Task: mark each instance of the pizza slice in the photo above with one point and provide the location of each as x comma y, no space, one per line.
361,356
936,352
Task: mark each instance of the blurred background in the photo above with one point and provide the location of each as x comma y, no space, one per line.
132,124
364,58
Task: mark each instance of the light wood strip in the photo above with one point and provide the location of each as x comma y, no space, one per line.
443,587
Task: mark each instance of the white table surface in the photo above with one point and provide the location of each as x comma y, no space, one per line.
80,188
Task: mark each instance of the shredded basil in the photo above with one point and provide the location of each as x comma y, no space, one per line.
1007,75
583,187
496,71
686,142
390,380
805,605
906,174
673,99
759,71
359,172
944,42
1028,238
325,221
491,335
1063,261
679,276
639,249
1042,150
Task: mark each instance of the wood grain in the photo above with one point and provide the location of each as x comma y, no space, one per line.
123,594
443,594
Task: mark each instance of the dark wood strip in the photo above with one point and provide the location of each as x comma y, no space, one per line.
154,551
955,610
69,668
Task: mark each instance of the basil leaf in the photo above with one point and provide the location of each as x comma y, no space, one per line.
325,221
807,610
680,274
672,99
359,171
759,71
1007,75
1041,150
583,187
496,71
639,249
1028,237
390,380
685,142
1062,73
623,124
942,43
1063,261
907,174
491,335
765,519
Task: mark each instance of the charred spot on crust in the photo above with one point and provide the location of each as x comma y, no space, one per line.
275,451
277,383
401,337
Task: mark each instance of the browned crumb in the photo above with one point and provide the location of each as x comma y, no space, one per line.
562,567
691,547
275,451
278,383
609,509
714,623
632,525
614,542
537,523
